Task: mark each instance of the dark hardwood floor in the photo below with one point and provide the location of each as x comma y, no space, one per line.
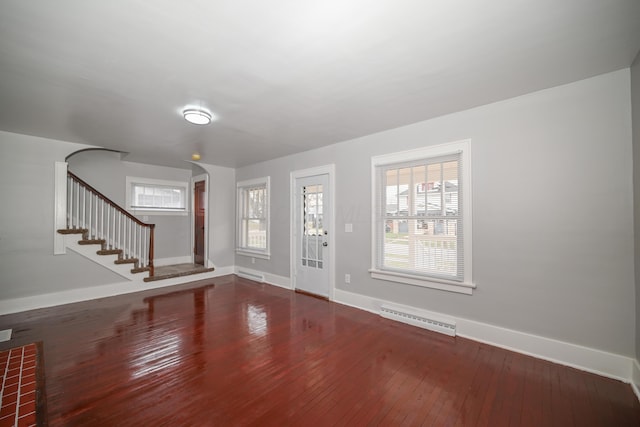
228,351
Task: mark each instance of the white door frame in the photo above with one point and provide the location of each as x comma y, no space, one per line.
202,177
304,173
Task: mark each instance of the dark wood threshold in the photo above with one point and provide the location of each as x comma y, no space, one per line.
41,388
309,294
177,274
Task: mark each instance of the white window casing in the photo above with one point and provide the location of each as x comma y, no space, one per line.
148,196
421,217
253,218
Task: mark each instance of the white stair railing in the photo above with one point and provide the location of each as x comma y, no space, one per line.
104,220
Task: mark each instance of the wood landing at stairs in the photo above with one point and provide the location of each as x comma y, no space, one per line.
176,270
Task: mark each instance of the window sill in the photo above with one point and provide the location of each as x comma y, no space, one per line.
253,254
444,285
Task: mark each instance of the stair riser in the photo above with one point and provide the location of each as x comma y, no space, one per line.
120,266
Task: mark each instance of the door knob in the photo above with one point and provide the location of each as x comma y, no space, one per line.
325,244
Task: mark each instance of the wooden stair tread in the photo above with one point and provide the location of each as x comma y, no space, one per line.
73,231
110,243
91,242
126,261
109,252
181,274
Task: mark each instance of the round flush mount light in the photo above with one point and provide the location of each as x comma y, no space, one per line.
197,116
195,157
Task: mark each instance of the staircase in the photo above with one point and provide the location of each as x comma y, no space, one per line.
100,221
105,250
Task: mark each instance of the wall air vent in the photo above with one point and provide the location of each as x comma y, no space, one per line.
418,318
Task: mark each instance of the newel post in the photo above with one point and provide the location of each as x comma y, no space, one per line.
152,228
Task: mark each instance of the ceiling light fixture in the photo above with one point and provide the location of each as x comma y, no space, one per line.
197,116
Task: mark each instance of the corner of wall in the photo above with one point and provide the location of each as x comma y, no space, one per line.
60,206
635,138
635,378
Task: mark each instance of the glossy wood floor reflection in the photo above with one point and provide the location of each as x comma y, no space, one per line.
228,351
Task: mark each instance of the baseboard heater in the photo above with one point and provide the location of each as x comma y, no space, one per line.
420,319
250,276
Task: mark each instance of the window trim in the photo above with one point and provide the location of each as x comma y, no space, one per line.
463,147
158,182
241,186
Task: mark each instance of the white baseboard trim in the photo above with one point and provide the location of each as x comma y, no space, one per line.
584,358
271,279
159,262
635,378
223,271
360,301
17,305
588,359
280,281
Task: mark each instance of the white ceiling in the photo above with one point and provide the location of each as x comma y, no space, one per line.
285,76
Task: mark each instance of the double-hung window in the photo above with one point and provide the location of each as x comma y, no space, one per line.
422,217
253,218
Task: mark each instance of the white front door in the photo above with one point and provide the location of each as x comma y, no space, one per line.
312,234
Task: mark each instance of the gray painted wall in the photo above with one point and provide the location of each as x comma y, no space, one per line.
635,107
222,183
27,264
107,173
547,168
553,214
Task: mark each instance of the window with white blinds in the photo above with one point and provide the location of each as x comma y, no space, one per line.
253,218
156,197
421,219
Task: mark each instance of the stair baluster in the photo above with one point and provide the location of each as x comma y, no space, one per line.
101,221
